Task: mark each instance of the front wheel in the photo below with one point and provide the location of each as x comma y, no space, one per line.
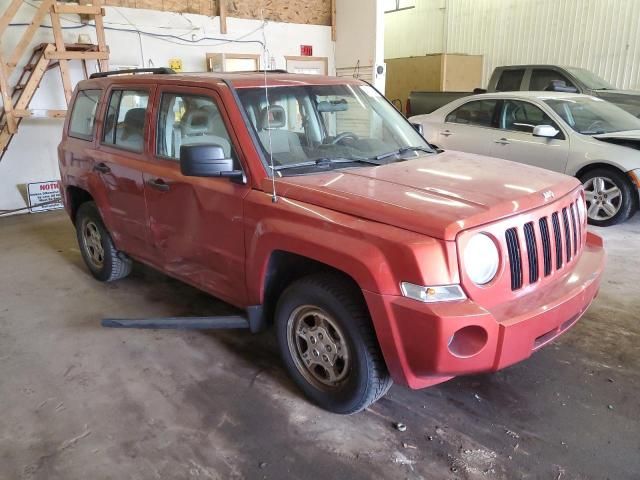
610,195
328,345
98,251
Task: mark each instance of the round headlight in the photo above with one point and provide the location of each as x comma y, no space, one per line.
481,259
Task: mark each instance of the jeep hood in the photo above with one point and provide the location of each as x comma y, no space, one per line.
436,195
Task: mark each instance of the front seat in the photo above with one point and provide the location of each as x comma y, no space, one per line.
273,119
196,128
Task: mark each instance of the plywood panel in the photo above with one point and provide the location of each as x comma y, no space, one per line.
315,12
413,73
462,73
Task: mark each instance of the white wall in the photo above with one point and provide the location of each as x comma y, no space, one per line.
601,35
32,156
360,39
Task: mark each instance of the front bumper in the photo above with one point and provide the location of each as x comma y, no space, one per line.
424,344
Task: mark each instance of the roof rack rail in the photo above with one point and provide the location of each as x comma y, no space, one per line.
133,71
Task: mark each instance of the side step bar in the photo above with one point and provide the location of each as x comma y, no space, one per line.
179,323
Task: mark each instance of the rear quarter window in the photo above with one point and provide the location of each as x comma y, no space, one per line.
510,80
83,115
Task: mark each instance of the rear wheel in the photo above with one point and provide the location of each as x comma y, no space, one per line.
98,251
610,195
328,345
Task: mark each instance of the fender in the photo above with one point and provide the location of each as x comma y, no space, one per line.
378,257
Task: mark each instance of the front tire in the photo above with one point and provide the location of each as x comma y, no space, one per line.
328,345
105,262
611,197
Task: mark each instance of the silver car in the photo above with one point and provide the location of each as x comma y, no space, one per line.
579,135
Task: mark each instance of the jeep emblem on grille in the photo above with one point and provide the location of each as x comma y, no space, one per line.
548,195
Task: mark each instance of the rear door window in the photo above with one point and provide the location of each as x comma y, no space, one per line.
541,79
510,80
125,117
478,112
83,116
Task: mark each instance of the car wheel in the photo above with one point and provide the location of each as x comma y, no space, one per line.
98,251
328,344
610,195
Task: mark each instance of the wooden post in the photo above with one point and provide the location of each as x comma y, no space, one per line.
222,12
60,49
102,42
8,14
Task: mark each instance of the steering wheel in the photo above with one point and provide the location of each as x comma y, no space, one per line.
342,136
594,125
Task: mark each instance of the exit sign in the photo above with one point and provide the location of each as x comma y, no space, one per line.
306,50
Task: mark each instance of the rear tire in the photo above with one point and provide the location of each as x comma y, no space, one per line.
105,262
328,344
611,196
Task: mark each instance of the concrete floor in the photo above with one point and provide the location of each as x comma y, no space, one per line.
81,402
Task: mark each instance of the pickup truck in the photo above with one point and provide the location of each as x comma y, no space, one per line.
313,206
533,78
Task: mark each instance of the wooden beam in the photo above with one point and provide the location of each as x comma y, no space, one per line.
333,20
27,36
7,103
62,8
222,13
8,15
40,113
34,81
68,55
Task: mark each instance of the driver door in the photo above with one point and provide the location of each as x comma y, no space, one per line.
515,140
195,224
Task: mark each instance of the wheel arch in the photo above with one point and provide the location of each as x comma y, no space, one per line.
283,267
76,196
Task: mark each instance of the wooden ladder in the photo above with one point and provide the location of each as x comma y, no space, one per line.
16,99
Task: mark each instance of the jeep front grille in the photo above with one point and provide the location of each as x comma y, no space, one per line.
543,246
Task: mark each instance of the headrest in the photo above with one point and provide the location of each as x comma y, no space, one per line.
276,117
196,122
135,118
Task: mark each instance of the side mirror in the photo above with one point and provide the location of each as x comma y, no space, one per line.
546,131
418,127
206,160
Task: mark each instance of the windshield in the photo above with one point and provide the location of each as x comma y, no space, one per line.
591,116
590,79
314,127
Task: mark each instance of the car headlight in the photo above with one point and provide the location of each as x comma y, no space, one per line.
481,259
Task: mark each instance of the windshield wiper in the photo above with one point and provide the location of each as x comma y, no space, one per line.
325,162
402,150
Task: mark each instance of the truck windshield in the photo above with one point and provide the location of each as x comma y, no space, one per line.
590,79
313,127
592,116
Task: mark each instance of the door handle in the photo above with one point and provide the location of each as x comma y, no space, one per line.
446,133
503,141
159,184
102,168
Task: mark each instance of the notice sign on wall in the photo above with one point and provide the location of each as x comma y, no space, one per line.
44,193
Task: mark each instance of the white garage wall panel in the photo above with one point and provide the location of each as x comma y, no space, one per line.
601,35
